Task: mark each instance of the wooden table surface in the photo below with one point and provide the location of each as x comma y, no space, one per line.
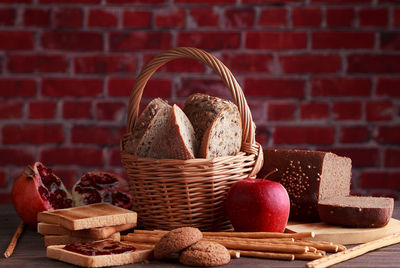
30,251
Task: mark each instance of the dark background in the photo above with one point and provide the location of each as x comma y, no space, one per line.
318,74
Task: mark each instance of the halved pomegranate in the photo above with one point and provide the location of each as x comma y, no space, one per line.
38,189
100,186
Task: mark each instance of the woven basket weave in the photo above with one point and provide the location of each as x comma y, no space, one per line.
170,193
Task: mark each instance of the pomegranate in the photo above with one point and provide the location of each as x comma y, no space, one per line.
38,189
100,186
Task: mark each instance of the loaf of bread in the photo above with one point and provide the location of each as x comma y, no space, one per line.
50,240
177,139
356,211
217,124
90,216
85,260
94,233
148,127
308,176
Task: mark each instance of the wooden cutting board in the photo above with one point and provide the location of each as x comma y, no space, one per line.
343,235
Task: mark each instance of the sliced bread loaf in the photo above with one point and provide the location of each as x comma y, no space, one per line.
356,211
308,176
217,125
177,139
223,137
146,127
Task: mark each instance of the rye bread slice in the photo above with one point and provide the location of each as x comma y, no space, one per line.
59,253
308,176
146,126
356,211
217,124
178,139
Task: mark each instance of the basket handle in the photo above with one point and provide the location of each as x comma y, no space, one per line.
248,140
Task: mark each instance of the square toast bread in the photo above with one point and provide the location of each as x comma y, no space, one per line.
66,239
95,233
90,216
57,252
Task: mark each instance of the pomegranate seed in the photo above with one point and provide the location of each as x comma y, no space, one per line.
44,194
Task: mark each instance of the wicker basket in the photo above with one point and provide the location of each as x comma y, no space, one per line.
170,193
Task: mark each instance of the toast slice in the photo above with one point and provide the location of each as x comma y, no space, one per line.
95,233
59,253
50,240
90,216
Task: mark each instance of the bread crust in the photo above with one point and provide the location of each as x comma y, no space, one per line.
301,173
357,215
90,216
58,253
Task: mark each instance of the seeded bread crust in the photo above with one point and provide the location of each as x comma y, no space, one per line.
217,124
308,176
205,253
356,211
177,140
143,124
176,240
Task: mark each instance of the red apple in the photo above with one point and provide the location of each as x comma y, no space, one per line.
258,205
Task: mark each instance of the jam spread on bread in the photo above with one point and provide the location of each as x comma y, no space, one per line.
105,247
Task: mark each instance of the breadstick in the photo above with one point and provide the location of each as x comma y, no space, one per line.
267,255
246,245
269,247
234,254
318,245
243,234
14,240
355,251
308,256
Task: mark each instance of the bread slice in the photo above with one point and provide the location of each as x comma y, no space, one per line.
217,124
90,216
223,137
356,211
147,126
61,254
178,139
308,176
50,240
95,233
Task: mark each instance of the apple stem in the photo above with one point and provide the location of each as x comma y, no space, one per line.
270,173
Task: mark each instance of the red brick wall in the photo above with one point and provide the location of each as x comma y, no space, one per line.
318,74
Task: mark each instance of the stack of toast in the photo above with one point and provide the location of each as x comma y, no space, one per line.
85,224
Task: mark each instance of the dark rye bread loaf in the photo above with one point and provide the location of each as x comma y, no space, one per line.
356,211
217,124
308,176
